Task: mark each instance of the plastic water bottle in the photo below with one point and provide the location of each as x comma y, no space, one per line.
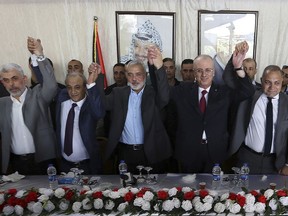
244,174
52,177
216,173
122,167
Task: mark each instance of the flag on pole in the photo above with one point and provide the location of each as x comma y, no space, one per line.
97,52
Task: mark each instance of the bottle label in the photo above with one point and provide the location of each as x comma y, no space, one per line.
244,177
216,177
52,178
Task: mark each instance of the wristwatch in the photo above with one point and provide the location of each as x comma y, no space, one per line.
237,69
40,58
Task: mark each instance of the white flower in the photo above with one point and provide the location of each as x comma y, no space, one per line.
228,203
146,206
76,207
98,203
186,205
106,193
168,205
273,204
86,203
45,191
109,205
87,188
250,199
284,201
2,198
63,205
259,207
8,210
43,198
224,196
241,193
123,191
134,190
199,206
195,200
219,208
59,193
268,193
249,208
213,193
172,192
19,210
20,193
122,206
207,206
114,195
37,208
156,207
176,202
49,206
234,208
208,199
186,189
148,196
138,201
30,206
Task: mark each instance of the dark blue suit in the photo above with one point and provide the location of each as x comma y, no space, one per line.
91,111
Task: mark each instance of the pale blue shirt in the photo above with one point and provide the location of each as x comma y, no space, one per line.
133,132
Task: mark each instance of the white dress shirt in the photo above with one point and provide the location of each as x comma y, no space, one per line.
22,139
255,136
79,151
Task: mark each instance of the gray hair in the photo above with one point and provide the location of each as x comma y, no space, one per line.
270,68
11,66
75,74
135,62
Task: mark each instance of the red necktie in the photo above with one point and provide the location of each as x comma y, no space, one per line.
202,103
68,150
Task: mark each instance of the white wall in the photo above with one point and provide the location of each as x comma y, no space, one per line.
66,28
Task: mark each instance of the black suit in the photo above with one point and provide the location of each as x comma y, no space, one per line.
192,155
156,142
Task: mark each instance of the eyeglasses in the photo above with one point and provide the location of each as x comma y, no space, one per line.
206,70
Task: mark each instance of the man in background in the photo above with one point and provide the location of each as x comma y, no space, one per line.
250,67
187,70
170,68
75,66
285,79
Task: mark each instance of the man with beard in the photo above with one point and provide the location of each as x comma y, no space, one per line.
137,134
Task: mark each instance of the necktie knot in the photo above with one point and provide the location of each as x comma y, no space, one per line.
204,92
74,105
202,104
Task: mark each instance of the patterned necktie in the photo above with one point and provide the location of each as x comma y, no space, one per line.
202,103
269,127
68,150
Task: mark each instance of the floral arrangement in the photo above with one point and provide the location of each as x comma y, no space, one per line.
177,200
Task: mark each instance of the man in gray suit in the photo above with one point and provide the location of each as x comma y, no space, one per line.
249,139
28,139
137,134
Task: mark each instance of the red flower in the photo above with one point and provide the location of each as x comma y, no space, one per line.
203,193
31,196
21,202
254,193
232,196
97,195
241,200
83,192
12,191
115,189
129,197
162,195
11,201
69,195
281,193
261,199
140,194
189,195
179,188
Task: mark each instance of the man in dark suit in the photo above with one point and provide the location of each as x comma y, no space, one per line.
249,139
82,96
203,116
28,139
250,67
137,134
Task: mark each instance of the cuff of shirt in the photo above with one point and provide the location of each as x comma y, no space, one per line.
34,60
90,85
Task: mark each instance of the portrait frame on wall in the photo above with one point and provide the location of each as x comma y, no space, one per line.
220,31
136,31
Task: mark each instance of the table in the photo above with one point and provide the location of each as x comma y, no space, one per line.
166,185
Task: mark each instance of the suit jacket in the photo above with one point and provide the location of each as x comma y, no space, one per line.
156,142
243,117
191,122
36,117
91,111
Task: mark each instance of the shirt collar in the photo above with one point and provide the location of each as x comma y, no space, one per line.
201,89
79,103
21,98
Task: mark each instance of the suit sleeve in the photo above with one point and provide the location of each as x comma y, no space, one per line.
95,101
163,91
49,85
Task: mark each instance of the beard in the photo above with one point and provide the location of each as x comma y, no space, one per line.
137,86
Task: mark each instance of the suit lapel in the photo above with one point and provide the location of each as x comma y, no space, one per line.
125,100
194,94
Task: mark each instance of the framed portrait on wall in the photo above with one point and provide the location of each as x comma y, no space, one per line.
137,31
220,31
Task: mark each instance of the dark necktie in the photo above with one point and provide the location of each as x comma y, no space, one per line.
69,131
269,127
202,103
